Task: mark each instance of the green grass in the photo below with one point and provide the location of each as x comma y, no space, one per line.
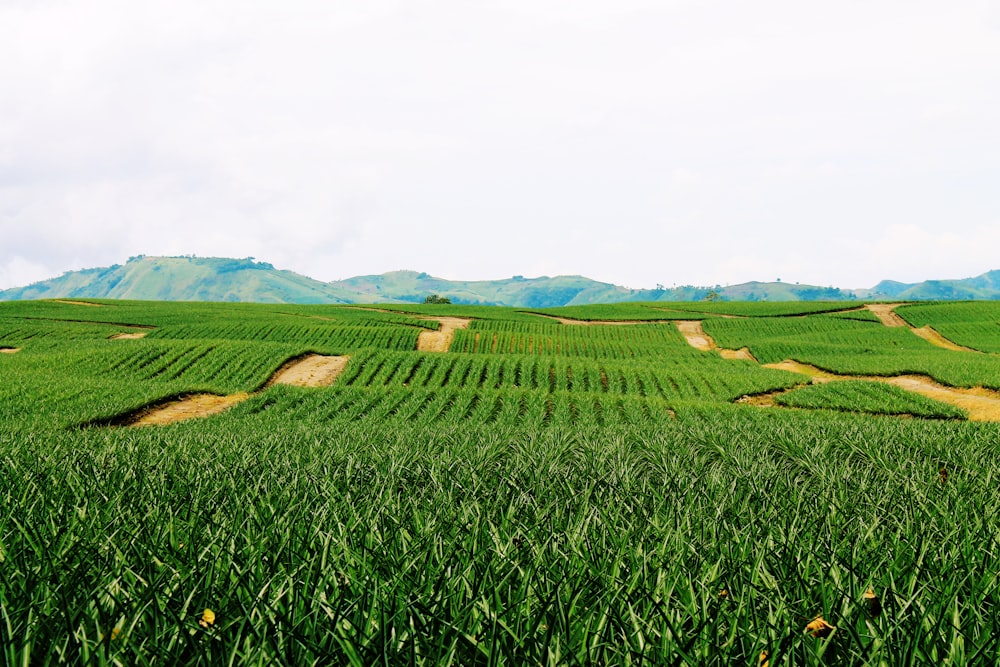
581,502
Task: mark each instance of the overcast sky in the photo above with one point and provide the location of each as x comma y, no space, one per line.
632,141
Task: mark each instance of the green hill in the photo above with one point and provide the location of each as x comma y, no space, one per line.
225,279
543,292
184,279
985,286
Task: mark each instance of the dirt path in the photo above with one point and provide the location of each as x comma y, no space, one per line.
590,323
189,407
981,404
696,337
311,370
440,340
816,375
743,354
887,315
726,316
73,302
932,336
430,341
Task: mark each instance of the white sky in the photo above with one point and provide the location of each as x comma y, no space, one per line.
632,141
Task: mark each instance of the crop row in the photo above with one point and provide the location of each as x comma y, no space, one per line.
488,313
604,342
511,407
713,380
330,337
18,332
764,308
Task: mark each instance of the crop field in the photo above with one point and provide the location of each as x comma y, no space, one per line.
854,347
678,484
972,324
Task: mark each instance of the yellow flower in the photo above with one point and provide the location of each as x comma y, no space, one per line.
207,618
819,627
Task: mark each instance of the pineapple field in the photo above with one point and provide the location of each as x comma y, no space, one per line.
640,484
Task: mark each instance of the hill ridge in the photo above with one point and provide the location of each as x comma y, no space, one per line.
190,278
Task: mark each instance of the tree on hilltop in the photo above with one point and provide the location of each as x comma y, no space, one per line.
434,298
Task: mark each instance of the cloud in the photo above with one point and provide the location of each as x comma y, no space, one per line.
634,141
16,271
911,253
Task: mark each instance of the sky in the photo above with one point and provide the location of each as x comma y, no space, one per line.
638,142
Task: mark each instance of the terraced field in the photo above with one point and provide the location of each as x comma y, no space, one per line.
669,484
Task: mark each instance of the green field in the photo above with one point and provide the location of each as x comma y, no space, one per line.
540,493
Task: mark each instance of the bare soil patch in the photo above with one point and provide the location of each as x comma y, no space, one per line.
726,316
760,400
74,302
590,323
128,336
313,370
983,405
189,407
885,312
695,335
440,340
9,350
932,336
816,375
743,354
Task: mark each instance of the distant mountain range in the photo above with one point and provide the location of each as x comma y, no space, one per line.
223,279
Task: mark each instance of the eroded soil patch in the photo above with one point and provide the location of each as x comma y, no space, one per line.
590,323
440,340
187,407
816,375
9,350
695,335
886,314
743,354
73,302
932,336
313,370
981,404
128,336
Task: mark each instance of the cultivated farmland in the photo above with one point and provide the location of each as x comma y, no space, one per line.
630,484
